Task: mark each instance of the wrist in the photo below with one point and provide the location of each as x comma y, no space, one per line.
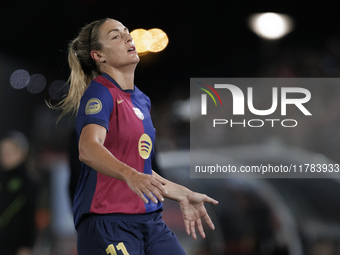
126,172
184,194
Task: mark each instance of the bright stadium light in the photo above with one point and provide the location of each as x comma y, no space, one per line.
271,25
160,40
142,39
153,40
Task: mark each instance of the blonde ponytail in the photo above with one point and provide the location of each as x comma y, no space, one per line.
83,67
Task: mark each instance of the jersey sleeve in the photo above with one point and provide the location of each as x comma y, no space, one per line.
95,107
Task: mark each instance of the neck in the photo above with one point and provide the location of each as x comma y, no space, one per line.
123,76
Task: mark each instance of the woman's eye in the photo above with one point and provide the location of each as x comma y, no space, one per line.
115,37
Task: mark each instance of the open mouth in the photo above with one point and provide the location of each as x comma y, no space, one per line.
132,48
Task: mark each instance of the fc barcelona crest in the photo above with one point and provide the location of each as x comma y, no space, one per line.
138,113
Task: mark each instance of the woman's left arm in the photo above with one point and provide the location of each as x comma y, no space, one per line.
191,204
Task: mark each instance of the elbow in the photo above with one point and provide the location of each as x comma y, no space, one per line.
83,154
81,157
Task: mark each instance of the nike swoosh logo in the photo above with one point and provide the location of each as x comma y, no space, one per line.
120,101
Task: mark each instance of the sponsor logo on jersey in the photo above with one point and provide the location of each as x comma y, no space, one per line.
120,101
93,106
145,146
138,113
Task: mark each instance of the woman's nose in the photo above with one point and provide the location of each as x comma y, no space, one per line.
128,38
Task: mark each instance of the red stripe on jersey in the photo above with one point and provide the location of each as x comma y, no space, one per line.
125,129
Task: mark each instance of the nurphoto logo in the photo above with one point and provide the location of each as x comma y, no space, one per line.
238,104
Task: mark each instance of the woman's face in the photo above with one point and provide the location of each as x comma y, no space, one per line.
118,49
10,155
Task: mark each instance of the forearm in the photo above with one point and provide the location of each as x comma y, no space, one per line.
99,158
175,191
93,153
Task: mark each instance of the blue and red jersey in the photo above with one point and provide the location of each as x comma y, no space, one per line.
130,138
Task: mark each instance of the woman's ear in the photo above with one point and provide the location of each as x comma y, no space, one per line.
96,56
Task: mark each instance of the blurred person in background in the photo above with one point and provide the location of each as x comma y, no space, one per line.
117,202
18,195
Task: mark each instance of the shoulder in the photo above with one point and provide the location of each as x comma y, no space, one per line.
96,88
97,98
142,96
97,91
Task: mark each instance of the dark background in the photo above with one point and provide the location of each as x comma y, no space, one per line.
206,39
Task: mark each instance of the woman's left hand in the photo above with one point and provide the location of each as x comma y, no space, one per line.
193,209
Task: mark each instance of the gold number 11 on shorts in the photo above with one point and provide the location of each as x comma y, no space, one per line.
121,247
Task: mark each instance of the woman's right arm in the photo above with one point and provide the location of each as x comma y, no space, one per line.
93,153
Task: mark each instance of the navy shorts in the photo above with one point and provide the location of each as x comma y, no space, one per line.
124,234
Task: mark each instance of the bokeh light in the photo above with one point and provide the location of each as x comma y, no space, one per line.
58,89
160,40
19,79
142,39
153,40
37,83
270,25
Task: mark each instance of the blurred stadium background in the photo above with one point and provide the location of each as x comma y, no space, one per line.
205,40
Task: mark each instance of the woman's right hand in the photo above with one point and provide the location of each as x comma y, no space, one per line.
150,185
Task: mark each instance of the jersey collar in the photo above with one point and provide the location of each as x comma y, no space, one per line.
105,75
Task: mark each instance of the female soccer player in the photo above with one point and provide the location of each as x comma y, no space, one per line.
119,198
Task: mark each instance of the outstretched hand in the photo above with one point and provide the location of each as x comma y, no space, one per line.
193,209
191,203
